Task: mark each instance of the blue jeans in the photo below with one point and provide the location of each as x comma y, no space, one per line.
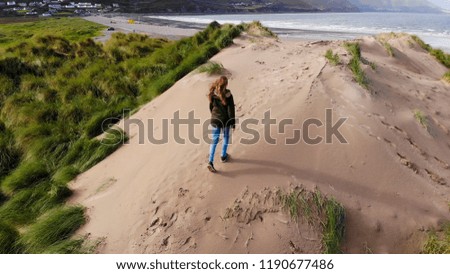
215,141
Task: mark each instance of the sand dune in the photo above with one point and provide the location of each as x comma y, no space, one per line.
392,177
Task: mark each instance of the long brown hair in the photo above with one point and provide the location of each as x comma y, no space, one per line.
219,86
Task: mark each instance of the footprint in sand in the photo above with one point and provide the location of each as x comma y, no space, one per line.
167,223
381,117
187,241
444,164
174,217
159,206
389,142
165,241
436,178
396,128
416,147
404,161
446,131
385,123
155,222
182,192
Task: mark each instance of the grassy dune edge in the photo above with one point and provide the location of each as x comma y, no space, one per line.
320,211
59,88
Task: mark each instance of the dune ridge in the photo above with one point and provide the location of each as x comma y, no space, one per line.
392,177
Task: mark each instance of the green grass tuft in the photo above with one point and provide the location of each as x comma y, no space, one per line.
26,205
211,68
353,49
441,56
85,153
65,174
421,118
355,64
9,237
26,175
56,225
332,58
446,77
256,28
101,121
388,48
438,243
334,226
318,210
291,202
421,43
68,246
9,154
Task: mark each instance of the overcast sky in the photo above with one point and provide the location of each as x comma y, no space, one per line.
445,4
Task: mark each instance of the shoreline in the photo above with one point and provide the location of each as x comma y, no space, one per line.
282,32
174,30
322,32
121,24
277,12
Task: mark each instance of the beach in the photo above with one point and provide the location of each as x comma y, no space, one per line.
432,28
173,29
122,24
391,175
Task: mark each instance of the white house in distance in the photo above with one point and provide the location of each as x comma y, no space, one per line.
11,3
84,5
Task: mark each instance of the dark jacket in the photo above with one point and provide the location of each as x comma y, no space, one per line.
222,115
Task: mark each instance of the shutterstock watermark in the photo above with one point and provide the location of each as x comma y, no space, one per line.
191,130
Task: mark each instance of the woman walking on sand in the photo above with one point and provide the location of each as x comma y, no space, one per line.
221,105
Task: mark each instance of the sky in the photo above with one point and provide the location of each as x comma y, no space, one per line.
445,4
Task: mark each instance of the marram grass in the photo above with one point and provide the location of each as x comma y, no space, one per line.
421,118
8,239
440,55
355,64
438,242
60,92
53,227
318,210
211,68
26,175
333,58
446,77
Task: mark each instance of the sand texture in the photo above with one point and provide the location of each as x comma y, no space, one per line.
392,177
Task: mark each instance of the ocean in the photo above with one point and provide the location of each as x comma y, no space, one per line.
432,28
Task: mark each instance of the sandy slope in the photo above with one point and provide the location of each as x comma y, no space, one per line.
161,199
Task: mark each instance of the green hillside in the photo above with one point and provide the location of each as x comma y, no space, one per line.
72,29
